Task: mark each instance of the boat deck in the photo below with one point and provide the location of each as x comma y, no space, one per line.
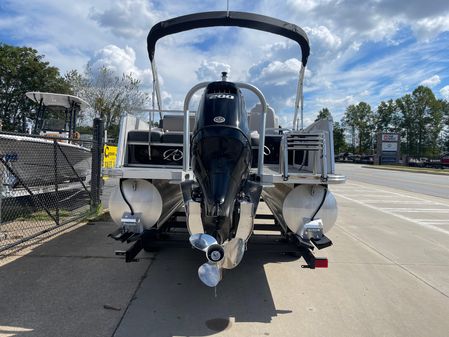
271,174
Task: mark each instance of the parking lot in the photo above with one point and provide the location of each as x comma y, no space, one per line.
388,275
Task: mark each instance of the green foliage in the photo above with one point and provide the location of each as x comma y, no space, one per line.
108,94
421,119
339,138
421,124
386,118
22,69
358,119
324,114
85,129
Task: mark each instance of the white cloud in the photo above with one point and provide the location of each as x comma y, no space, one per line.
211,70
121,61
344,35
280,73
431,81
324,36
128,18
444,91
336,102
427,28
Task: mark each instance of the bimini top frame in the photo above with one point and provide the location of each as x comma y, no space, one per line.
236,19
72,104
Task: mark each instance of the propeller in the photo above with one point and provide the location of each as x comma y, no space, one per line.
202,241
218,257
209,272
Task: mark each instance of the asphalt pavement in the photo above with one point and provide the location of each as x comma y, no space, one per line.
388,275
422,183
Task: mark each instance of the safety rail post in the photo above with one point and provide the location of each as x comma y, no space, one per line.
262,125
97,150
186,142
324,171
260,158
283,160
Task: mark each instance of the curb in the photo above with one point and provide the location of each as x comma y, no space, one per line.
385,168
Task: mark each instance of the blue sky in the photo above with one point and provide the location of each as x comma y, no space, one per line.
369,50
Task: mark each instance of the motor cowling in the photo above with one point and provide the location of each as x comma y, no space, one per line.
221,155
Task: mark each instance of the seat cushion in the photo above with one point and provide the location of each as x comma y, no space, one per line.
175,137
142,136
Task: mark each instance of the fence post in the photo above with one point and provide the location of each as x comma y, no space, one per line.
97,150
55,163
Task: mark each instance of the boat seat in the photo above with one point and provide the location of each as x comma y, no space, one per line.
272,148
254,139
176,137
255,116
176,123
142,136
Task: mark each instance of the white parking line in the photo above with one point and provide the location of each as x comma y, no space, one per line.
399,194
417,210
385,194
434,222
399,202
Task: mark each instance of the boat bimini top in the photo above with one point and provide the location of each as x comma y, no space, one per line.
51,99
237,19
70,105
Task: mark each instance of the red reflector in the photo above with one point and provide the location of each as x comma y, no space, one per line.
321,262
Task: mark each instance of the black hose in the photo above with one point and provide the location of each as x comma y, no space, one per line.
321,204
124,198
305,153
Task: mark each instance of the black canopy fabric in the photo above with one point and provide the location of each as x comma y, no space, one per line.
224,18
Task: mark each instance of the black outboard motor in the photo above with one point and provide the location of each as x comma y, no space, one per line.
221,155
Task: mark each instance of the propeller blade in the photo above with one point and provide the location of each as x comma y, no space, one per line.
202,241
210,274
234,251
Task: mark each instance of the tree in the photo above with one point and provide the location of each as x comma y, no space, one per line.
339,138
22,69
359,120
445,140
386,117
349,122
421,121
407,123
108,94
324,114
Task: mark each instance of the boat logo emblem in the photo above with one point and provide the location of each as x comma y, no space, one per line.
172,154
266,150
219,119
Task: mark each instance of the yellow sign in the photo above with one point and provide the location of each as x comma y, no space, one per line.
109,156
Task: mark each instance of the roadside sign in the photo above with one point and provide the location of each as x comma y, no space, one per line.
389,147
109,156
390,137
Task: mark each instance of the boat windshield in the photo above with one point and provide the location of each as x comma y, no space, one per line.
53,124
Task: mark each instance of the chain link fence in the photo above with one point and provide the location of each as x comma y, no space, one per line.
46,183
